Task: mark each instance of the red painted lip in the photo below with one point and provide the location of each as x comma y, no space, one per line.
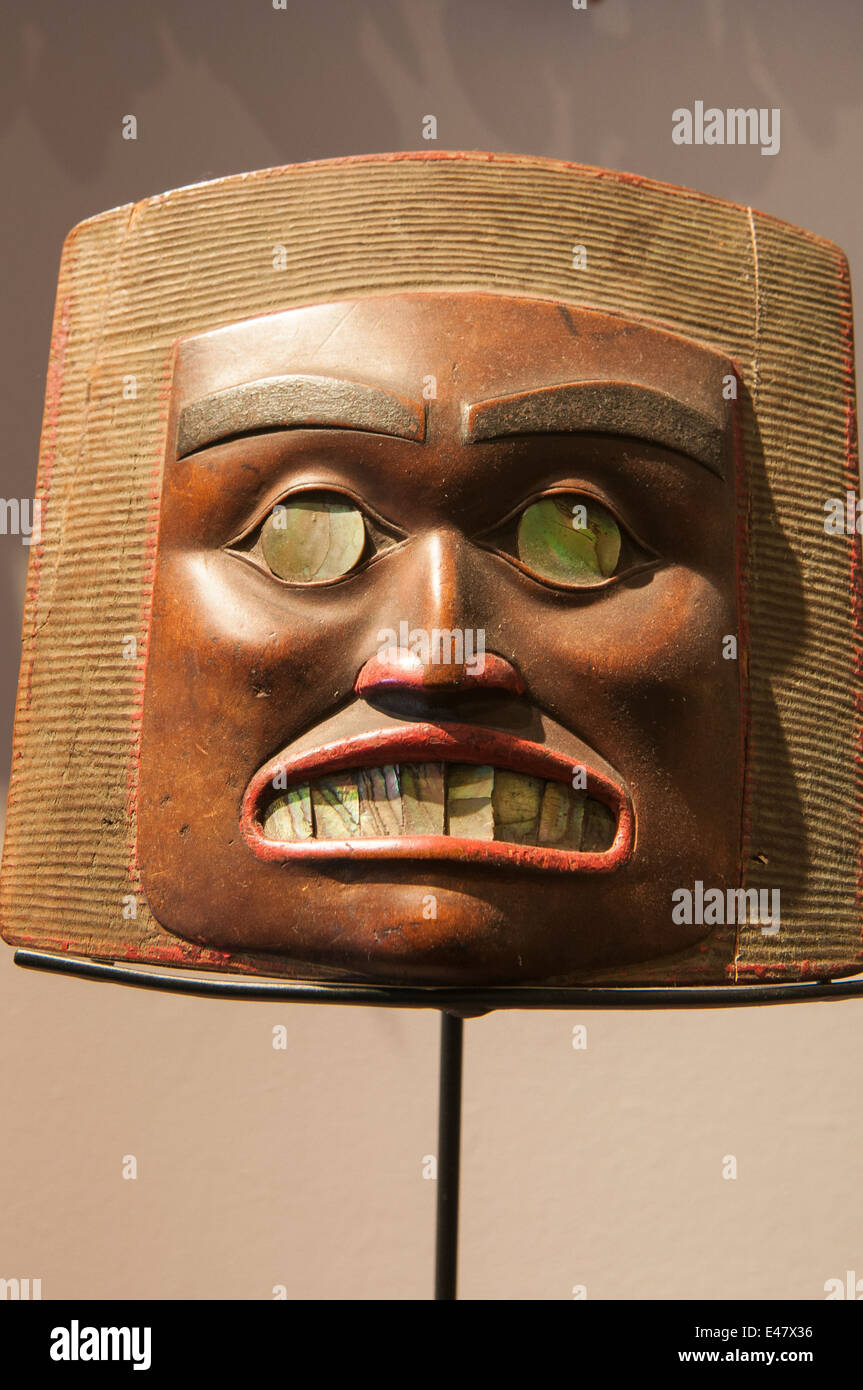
453,743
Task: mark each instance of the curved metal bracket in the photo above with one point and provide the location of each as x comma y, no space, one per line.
460,1000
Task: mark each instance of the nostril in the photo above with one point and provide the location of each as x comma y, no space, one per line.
384,672
398,670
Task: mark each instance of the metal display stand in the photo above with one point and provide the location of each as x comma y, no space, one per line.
455,1004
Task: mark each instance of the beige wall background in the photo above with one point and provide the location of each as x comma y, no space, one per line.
303,1167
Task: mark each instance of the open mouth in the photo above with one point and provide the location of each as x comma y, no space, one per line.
439,792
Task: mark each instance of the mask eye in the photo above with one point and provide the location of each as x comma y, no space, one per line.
568,542
313,536
571,540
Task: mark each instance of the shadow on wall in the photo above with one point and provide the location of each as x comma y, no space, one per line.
770,567
608,97
597,86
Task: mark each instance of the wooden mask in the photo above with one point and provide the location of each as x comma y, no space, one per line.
435,586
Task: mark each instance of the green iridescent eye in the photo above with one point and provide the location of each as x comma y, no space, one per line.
569,540
312,537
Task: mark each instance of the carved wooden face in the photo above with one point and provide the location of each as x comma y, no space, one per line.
438,688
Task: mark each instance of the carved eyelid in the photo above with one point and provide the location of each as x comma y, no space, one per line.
647,559
387,525
311,490
579,490
249,546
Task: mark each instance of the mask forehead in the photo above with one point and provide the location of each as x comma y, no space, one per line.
455,369
474,345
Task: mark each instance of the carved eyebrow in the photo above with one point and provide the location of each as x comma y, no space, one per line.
604,407
291,402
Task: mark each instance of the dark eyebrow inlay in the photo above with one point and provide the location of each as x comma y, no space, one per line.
291,402
604,407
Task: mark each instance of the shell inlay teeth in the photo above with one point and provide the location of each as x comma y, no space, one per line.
469,800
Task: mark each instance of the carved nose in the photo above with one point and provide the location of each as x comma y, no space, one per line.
399,669
401,682
439,665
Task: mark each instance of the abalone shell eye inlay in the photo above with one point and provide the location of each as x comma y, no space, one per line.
313,537
569,539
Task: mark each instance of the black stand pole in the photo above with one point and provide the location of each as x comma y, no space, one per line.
470,1002
448,1154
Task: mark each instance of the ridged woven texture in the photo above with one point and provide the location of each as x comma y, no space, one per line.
774,298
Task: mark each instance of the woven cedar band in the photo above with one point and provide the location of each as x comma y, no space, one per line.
774,298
